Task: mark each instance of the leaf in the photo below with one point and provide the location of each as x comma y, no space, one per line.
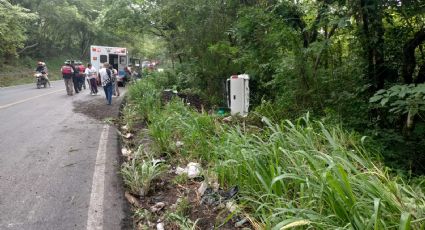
376,214
381,91
402,94
405,221
375,98
291,223
384,101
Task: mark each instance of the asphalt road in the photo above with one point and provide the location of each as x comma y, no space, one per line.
58,167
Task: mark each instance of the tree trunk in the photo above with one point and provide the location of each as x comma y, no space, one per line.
409,59
421,75
373,35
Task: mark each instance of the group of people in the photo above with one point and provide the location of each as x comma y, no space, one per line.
74,74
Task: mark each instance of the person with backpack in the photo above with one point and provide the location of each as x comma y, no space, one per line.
105,75
91,74
81,75
67,74
115,89
75,75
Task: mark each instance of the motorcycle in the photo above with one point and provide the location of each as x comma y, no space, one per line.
41,80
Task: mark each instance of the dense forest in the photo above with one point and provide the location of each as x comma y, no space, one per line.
358,63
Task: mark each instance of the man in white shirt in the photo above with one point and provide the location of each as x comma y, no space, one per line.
91,74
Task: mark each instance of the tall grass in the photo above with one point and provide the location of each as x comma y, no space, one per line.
139,173
304,174
145,97
319,176
177,122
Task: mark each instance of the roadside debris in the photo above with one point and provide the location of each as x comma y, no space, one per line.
179,144
160,226
240,223
125,152
133,200
215,198
157,207
202,188
192,170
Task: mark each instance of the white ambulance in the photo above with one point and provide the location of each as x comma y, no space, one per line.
116,56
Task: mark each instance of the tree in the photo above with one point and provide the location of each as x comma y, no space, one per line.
13,21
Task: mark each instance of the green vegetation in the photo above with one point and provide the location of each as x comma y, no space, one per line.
139,173
304,173
356,68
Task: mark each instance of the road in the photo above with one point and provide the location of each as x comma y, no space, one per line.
59,166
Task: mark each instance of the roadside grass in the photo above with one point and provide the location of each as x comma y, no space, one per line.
304,173
138,173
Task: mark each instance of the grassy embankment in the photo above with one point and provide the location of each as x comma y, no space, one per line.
22,72
303,173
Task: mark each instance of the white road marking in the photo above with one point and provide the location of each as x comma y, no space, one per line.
95,213
27,99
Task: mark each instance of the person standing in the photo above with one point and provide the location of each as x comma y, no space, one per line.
91,74
105,75
67,74
127,73
115,89
82,75
75,76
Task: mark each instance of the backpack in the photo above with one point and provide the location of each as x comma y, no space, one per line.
67,70
82,69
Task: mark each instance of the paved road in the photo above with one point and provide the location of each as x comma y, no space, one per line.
49,156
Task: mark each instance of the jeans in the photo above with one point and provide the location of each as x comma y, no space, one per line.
93,85
108,92
76,82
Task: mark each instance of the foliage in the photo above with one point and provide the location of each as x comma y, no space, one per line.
183,207
401,126
402,99
322,176
145,97
181,179
14,20
138,174
303,173
130,117
183,222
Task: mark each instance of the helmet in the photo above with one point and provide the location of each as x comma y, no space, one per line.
67,62
43,64
40,63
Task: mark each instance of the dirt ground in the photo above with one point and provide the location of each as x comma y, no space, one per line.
206,216
98,109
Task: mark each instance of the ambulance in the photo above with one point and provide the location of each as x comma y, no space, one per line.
115,56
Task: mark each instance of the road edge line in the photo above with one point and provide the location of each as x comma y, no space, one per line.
95,212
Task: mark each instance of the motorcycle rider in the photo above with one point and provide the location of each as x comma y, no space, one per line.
42,68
